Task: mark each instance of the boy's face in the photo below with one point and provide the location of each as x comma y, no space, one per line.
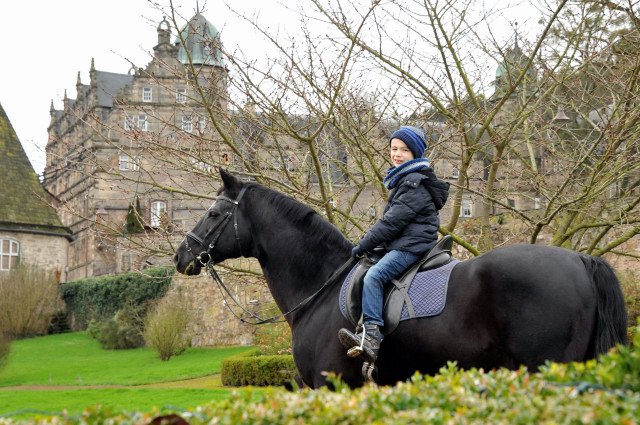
400,153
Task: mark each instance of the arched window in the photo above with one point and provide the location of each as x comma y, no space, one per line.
9,253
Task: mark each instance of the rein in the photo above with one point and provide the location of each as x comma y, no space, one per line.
204,258
275,319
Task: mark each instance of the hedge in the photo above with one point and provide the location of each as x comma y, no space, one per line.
101,298
257,370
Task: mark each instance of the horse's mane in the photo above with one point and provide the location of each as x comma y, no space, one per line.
301,215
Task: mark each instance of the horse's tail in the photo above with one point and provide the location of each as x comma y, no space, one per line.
611,314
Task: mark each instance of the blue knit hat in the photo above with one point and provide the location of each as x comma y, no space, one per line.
413,137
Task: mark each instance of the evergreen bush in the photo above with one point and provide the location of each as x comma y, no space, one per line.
116,335
132,222
123,331
101,298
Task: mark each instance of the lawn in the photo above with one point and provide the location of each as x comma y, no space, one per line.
77,359
73,361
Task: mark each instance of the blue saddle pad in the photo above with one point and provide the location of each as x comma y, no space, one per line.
428,292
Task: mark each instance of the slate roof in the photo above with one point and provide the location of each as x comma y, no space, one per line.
109,83
21,195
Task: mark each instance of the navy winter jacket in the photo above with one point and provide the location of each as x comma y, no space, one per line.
410,220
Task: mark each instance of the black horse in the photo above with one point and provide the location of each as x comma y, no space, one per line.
517,305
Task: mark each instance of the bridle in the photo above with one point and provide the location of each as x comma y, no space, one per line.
204,258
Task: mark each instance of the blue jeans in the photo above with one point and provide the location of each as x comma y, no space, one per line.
389,267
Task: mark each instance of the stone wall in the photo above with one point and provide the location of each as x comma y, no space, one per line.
48,252
214,324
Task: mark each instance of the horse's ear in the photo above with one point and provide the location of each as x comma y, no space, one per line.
231,184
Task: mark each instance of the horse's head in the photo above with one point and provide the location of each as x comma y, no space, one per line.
220,234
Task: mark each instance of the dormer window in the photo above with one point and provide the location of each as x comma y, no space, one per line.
147,94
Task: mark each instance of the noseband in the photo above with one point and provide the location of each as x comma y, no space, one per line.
204,257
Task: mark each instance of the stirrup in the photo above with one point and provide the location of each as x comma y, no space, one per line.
357,350
367,371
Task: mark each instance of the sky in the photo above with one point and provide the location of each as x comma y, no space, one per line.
46,43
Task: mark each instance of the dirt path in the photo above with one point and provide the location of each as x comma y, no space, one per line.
204,382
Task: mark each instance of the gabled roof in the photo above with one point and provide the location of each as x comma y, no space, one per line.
22,197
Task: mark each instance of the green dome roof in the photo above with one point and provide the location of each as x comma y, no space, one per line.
513,63
202,40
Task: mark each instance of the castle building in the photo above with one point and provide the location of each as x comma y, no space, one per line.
103,148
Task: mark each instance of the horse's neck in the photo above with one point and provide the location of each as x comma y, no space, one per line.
296,266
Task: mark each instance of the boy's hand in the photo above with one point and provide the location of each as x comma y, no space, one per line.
357,252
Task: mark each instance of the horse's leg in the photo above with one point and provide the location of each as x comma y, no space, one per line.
317,352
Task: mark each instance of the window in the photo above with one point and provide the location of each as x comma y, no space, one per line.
466,208
537,203
142,122
181,95
9,252
147,94
128,122
202,124
187,125
455,173
158,209
200,165
125,163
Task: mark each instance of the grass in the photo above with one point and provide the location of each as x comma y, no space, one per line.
76,359
67,363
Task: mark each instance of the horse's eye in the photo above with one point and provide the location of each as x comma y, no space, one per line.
213,213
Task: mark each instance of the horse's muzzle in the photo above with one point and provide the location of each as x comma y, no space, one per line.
191,268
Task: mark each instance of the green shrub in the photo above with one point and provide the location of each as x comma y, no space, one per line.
165,327
102,298
115,335
257,371
28,297
123,331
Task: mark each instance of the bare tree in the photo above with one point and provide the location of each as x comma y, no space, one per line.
546,149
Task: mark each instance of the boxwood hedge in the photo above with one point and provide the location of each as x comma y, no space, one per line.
246,369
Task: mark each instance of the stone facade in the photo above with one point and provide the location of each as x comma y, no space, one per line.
47,252
214,324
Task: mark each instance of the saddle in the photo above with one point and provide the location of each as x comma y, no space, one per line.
396,294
